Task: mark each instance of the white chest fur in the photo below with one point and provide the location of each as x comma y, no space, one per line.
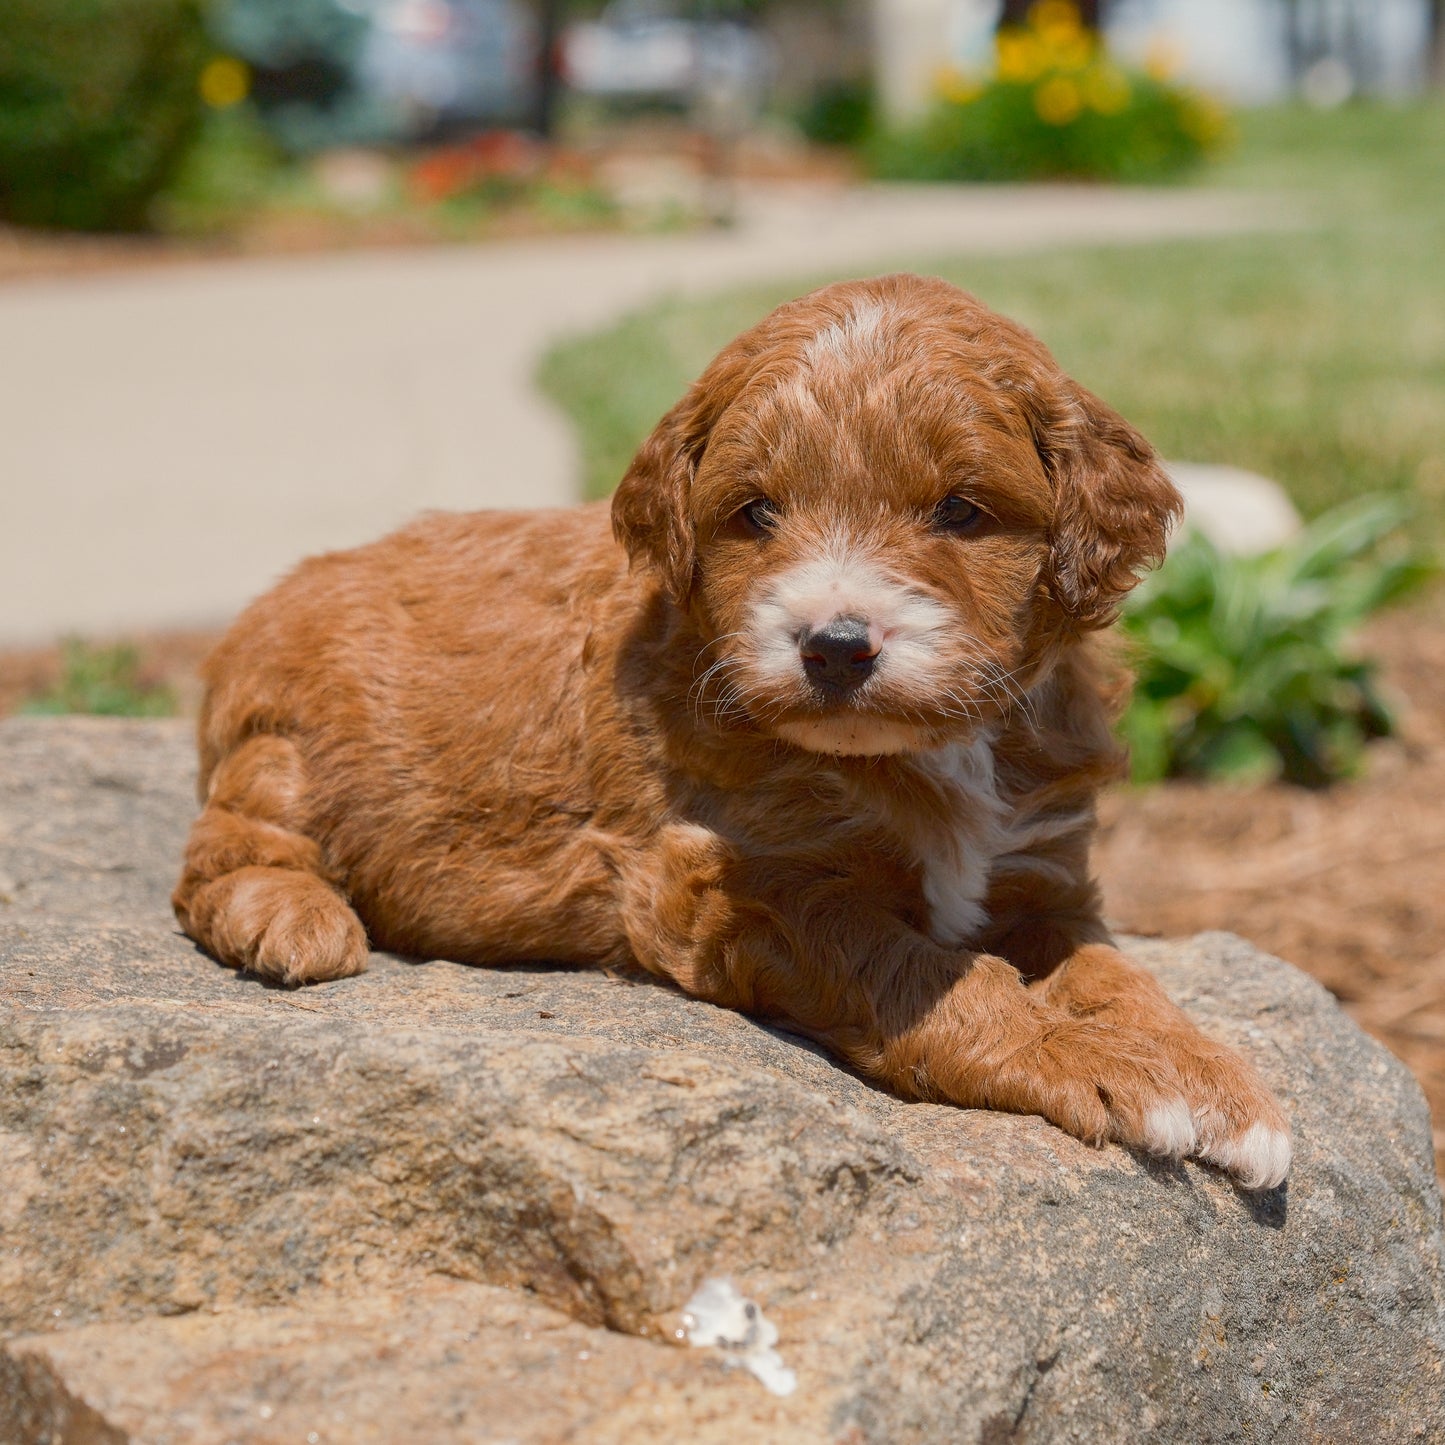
972,832
957,838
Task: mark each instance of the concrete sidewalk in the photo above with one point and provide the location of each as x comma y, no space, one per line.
172,441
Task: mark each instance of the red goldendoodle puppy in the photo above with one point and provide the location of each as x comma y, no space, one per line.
814,729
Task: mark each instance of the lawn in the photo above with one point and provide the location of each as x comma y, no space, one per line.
1315,355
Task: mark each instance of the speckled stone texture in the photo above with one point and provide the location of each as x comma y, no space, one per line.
440,1203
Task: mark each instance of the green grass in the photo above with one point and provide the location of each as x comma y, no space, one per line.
1315,355
106,681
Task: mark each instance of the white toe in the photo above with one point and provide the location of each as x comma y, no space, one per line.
1259,1158
1169,1129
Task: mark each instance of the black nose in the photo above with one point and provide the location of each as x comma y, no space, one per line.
838,654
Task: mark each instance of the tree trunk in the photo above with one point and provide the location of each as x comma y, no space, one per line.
544,102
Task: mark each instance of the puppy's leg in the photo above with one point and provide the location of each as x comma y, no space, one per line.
255,892
1240,1124
925,1021
982,1038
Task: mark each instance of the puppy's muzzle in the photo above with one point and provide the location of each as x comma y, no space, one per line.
839,656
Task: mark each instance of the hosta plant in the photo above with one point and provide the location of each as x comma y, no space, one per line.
1245,665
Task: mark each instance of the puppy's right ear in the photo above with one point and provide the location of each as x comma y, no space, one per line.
650,507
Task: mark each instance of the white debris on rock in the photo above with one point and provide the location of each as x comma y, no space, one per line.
719,1315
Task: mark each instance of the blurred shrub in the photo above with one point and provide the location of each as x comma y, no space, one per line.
1244,669
98,101
838,114
106,681
232,169
1054,105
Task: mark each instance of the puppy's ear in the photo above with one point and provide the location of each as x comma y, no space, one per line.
1113,505
650,507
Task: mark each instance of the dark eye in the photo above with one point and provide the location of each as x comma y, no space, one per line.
955,514
760,515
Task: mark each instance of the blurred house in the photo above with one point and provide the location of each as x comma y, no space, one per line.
653,51
439,65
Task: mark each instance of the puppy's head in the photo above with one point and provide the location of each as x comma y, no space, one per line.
888,510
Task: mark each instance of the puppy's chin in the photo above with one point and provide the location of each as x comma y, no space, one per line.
855,735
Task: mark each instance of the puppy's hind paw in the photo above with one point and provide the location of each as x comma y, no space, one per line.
281,923
1258,1158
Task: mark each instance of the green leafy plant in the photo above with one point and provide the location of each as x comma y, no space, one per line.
1244,665
840,113
98,102
1055,104
105,681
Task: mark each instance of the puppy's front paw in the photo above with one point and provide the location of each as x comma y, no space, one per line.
1099,1081
1259,1158
1242,1127
1238,1124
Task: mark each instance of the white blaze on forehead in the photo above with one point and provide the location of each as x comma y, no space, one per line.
844,582
857,333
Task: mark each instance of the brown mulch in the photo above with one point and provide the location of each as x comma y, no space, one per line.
1347,883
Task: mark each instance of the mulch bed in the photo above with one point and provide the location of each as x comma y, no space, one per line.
1347,883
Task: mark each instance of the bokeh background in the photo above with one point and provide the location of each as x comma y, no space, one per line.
277,274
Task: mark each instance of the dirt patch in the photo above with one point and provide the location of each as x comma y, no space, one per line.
1348,884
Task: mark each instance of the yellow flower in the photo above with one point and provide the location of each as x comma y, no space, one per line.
1070,52
1060,33
1019,55
1058,100
1162,59
1205,120
952,85
224,82
1106,89
1056,15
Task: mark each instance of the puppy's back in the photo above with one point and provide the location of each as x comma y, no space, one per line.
437,619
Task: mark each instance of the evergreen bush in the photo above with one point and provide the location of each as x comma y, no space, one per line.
98,102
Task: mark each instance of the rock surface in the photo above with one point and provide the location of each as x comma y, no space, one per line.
451,1204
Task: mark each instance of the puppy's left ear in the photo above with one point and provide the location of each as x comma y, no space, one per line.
650,507
1113,505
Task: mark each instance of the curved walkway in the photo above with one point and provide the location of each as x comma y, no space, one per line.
171,441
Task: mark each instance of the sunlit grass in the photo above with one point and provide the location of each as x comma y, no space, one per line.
1315,355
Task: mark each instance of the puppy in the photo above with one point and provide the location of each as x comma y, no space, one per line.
814,729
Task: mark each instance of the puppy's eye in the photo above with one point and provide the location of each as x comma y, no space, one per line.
759,516
955,514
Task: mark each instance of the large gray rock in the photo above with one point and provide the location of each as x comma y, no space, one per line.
439,1203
